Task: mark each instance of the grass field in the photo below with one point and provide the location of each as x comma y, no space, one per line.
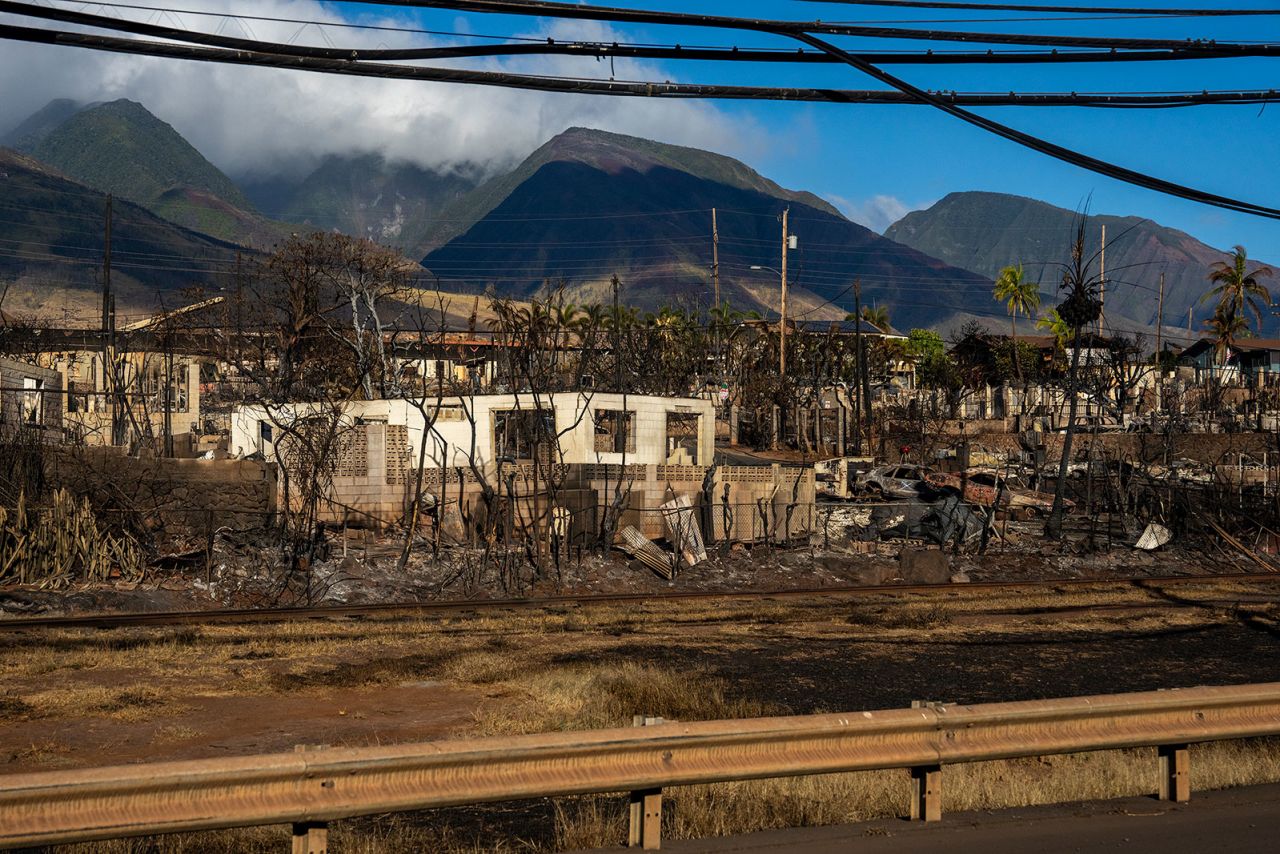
83,697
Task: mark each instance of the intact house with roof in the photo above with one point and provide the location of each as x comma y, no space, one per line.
1247,360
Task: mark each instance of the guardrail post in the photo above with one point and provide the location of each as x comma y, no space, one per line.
926,793
310,837
926,783
1175,772
645,826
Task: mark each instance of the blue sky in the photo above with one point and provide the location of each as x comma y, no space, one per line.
873,159
875,162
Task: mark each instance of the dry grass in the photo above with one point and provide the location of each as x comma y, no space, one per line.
595,697
570,669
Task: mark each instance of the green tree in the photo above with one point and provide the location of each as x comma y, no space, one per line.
1053,323
924,344
1239,292
1226,328
1020,295
876,315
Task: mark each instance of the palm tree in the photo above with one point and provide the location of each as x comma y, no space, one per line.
876,315
1053,323
1238,291
1225,329
1021,296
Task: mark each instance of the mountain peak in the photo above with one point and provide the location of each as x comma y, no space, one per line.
121,147
613,152
984,231
27,135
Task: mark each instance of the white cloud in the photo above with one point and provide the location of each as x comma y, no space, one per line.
877,212
252,119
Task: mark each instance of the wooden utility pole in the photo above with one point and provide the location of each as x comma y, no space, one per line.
106,275
1159,314
1102,283
617,340
864,372
110,369
857,367
1159,331
782,327
715,258
170,386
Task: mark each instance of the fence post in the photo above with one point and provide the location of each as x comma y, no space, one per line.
926,784
1175,772
645,824
310,837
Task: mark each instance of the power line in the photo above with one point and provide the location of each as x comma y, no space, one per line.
1058,152
614,14
595,50
804,32
1071,10
615,88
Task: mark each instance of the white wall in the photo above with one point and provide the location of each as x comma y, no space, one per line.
574,413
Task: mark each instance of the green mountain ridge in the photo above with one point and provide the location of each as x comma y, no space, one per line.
120,148
985,231
52,258
589,204
33,129
609,152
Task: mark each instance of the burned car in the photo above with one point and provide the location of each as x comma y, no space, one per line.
981,486
897,481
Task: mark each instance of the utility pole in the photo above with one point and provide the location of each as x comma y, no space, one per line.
617,342
110,369
1102,283
1159,314
857,367
782,327
715,257
106,275
170,386
864,374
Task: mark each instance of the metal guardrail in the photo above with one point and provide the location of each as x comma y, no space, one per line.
312,787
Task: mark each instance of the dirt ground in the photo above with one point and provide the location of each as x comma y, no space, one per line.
77,697
363,568
82,697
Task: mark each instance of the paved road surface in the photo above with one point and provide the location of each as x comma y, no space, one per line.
1239,821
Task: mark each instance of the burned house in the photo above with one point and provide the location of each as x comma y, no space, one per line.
579,451
30,401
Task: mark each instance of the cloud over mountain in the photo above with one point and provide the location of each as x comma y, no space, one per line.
251,120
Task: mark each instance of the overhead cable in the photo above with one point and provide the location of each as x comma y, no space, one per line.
614,14
591,86
551,46
1068,10
1058,152
805,33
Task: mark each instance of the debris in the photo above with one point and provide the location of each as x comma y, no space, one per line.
642,549
924,566
937,522
1153,537
682,529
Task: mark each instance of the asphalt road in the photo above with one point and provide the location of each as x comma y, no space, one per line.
1235,821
